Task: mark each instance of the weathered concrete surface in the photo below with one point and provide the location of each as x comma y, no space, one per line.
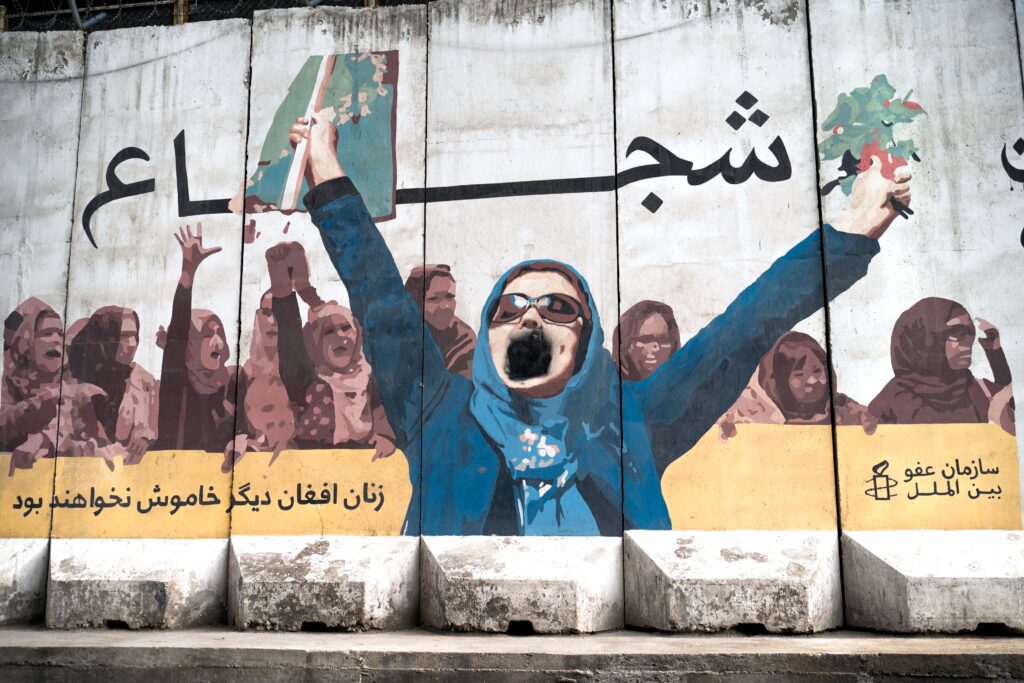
714,580
520,91
342,582
962,62
22,579
213,655
934,581
41,96
283,39
484,583
143,87
41,91
136,583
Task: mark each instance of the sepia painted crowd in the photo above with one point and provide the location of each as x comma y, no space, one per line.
307,385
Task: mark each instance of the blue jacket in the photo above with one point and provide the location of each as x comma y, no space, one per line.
455,432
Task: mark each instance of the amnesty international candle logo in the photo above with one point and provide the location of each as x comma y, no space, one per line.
933,476
882,484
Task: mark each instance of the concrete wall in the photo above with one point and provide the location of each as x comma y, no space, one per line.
706,242
963,238
41,86
584,133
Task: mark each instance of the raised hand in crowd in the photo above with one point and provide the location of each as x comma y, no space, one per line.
193,253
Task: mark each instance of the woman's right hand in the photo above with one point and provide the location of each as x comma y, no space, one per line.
322,136
278,257
193,252
234,451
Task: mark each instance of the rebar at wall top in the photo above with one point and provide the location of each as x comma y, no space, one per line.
128,5
88,23
124,5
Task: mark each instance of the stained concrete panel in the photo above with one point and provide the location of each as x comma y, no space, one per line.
41,88
958,64
521,93
315,567
540,585
701,91
786,582
142,462
382,149
945,581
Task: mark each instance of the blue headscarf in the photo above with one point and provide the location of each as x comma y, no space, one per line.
554,446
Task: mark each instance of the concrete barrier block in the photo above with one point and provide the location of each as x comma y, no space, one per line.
136,583
492,583
337,582
787,582
23,579
934,581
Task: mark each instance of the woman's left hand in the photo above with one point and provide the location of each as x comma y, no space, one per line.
991,332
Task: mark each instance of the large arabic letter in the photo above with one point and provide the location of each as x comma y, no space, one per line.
1016,174
774,174
187,207
668,163
116,188
699,176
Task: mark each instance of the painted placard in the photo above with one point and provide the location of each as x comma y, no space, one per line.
931,339
316,409
150,387
41,88
520,250
721,341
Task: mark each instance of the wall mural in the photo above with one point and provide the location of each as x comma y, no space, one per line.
528,420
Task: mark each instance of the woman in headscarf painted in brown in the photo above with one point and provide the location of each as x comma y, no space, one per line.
31,393
791,386
433,288
33,337
269,421
647,334
328,380
102,353
931,360
197,388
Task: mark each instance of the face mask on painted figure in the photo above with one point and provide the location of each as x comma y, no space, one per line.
535,333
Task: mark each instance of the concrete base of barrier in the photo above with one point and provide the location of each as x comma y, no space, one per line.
934,581
23,579
339,582
216,655
136,583
785,582
521,585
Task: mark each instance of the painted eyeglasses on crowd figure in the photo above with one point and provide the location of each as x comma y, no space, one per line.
555,308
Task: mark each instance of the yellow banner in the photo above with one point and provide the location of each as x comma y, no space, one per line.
321,492
184,494
170,494
25,499
766,477
957,476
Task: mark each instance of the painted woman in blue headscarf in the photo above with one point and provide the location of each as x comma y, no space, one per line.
532,445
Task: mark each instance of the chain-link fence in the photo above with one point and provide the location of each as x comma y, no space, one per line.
56,15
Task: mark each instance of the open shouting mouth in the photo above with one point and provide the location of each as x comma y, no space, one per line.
528,356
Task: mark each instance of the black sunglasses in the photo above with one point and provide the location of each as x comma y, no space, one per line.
556,308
